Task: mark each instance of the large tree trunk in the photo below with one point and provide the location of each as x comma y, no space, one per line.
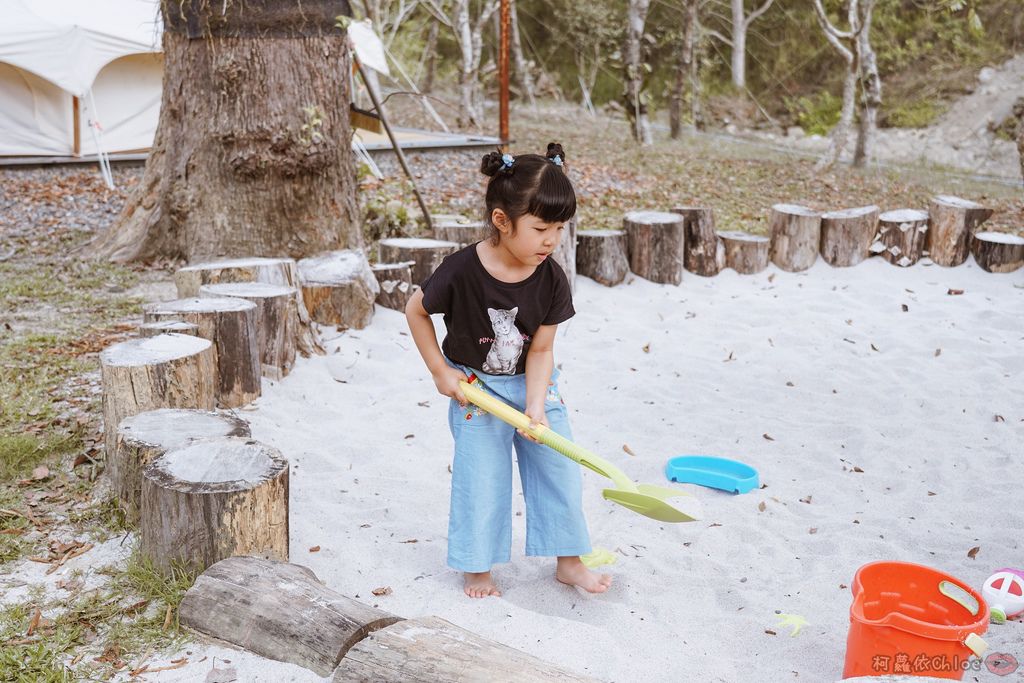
252,154
692,46
635,107
741,22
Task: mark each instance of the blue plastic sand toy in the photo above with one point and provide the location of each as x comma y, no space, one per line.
716,473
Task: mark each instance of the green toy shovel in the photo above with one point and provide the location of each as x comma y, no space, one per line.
647,499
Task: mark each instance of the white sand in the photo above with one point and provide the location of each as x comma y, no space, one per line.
910,398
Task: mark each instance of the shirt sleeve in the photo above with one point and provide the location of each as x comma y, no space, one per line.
437,289
561,299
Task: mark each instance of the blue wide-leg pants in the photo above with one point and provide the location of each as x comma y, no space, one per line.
480,521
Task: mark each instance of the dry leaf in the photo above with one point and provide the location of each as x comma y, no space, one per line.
411,540
973,552
628,450
999,418
905,307
932,493
770,632
767,437
858,470
771,277
955,292
938,352
874,348
315,549
813,530
761,506
790,384
729,358
806,500
647,347
408,436
34,624
383,590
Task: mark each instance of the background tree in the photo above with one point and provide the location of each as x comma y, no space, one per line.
741,22
252,154
635,68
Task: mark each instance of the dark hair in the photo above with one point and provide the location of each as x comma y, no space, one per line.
533,184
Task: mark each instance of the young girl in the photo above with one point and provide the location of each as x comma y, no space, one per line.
502,301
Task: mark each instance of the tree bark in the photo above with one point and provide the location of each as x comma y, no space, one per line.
395,280
741,22
432,650
168,327
339,289
657,243
430,53
704,253
278,610
846,235
167,371
275,336
461,232
212,499
871,87
692,41
565,254
998,252
426,255
273,271
745,253
841,131
952,222
901,236
601,256
230,324
795,236
252,153
636,108
143,437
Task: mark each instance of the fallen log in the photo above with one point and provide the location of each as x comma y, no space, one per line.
278,610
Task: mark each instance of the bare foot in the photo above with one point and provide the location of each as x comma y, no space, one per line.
571,571
479,585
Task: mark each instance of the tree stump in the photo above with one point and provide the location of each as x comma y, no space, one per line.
425,254
231,325
213,499
901,236
273,271
432,650
463,231
795,236
704,255
656,241
166,371
998,252
846,235
395,281
745,253
145,436
278,610
951,223
339,288
168,327
565,254
601,256
275,331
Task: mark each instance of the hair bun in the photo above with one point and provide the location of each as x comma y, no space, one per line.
555,150
491,163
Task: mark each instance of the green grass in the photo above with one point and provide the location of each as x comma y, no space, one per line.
914,114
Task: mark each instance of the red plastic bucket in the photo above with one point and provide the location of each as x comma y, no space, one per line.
912,620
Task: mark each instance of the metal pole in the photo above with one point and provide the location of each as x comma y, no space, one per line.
395,146
503,67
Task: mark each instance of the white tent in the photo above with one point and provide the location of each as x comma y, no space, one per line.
78,78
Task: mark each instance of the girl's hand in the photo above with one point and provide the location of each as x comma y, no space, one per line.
447,382
537,417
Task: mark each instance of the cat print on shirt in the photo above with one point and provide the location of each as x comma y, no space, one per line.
507,345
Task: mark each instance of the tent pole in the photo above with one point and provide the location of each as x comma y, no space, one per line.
395,145
76,118
503,66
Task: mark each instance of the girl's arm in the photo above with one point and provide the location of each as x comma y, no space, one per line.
540,361
446,378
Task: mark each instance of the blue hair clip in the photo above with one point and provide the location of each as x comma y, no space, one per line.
506,160
556,160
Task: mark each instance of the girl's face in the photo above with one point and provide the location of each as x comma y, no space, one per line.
533,240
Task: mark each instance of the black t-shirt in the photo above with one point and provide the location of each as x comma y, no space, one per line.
490,323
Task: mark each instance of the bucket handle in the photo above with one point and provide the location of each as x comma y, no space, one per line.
960,595
976,644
